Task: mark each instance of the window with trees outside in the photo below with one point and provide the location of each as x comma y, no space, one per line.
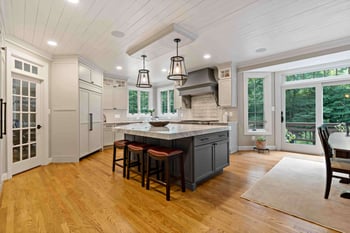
257,103
166,101
138,102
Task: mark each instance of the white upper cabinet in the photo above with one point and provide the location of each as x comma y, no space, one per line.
91,76
227,86
115,95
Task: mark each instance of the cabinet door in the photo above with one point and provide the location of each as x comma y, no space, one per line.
225,92
84,73
96,78
95,140
84,122
177,99
120,97
221,154
108,97
203,161
95,102
84,139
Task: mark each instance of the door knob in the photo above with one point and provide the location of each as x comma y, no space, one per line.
38,126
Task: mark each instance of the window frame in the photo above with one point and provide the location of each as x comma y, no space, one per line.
267,103
150,105
159,103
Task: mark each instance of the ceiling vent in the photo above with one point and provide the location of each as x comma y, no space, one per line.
162,42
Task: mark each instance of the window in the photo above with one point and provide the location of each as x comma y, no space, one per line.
318,74
257,103
139,102
166,101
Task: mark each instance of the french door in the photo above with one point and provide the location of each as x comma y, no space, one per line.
304,108
26,141
299,119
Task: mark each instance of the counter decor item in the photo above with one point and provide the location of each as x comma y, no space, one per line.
158,123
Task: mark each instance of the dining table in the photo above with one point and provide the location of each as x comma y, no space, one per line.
340,143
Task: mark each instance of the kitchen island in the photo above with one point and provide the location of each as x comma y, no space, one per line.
206,147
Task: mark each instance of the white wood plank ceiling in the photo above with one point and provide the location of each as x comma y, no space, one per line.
229,30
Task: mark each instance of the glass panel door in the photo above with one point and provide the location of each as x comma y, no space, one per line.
336,106
299,124
24,124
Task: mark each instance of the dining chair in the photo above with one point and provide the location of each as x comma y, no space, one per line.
333,164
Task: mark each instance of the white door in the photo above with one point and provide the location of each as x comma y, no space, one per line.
299,119
26,126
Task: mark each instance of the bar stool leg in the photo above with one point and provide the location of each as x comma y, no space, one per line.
124,160
128,161
143,154
114,157
167,177
148,171
183,187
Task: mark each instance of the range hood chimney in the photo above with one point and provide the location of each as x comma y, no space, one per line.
200,82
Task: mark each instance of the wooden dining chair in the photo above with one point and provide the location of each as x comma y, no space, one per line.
333,164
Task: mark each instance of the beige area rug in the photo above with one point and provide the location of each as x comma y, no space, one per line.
296,187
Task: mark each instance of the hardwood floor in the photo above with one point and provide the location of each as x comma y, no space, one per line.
88,197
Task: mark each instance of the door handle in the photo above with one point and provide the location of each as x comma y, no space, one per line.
90,122
2,118
1,101
282,117
38,126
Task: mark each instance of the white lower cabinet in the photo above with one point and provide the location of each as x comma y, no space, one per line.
90,121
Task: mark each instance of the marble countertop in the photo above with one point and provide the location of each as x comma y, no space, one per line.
170,131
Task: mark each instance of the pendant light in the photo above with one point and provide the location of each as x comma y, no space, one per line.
177,71
143,77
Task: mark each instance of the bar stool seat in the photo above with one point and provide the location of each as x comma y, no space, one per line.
165,154
140,149
120,144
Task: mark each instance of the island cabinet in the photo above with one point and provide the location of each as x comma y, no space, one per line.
205,155
210,155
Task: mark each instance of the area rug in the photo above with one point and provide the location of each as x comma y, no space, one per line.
296,187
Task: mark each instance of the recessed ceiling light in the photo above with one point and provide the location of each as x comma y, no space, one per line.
164,70
52,43
206,56
117,34
73,1
260,50
119,67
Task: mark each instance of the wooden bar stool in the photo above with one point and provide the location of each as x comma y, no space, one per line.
140,150
165,154
120,144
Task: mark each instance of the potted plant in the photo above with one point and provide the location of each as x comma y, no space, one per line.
260,142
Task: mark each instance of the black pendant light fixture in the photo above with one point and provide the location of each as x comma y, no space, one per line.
177,71
143,77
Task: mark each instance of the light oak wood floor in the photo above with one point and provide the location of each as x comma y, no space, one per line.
88,197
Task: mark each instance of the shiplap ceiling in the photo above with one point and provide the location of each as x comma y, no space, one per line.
229,30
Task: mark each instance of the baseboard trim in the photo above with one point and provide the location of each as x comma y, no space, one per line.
65,160
2,179
241,148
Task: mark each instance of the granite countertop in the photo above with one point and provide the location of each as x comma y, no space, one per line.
170,131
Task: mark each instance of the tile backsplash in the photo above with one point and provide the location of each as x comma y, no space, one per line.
204,107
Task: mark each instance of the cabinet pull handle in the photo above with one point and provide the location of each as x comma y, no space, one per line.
204,139
90,122
1,118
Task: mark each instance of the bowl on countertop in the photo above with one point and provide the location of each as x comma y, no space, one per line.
158,123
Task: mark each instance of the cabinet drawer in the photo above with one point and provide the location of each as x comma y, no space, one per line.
209,138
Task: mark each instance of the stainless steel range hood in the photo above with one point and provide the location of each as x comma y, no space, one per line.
200,82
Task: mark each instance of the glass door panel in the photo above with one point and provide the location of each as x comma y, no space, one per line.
336,106
299,126
24,123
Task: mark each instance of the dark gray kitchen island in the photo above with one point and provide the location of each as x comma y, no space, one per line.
206,147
